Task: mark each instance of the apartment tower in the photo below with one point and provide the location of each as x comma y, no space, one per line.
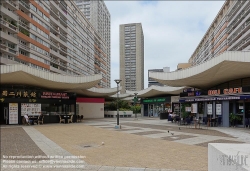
131,57
230,31
53,36
98,15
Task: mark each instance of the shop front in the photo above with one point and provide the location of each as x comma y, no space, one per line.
221,107
16,101
152,107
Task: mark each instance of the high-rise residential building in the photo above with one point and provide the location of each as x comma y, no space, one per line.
98,15
230,31
131,57
151,81
53,36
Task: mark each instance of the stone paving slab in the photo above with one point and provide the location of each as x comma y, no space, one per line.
205,144
147,132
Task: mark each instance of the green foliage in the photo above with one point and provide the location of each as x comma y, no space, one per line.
25,32
184,113
13,23
233,117
136,109
123,105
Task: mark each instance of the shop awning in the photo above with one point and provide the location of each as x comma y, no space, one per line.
228,66
25,75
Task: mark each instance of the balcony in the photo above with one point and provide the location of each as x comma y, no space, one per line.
55,53
24,4
9,25
12,3
8,13
8,37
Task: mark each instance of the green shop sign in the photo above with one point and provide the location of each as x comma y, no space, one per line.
157,100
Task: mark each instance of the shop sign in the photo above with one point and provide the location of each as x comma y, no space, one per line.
192,93
32,95
18,94
186,90
155,100
52,95
225,91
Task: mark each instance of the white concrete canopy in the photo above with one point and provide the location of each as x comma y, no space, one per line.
25,75
228,66
152,91
97,92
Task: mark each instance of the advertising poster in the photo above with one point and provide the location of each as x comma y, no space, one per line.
13,113
209,109
188,109
194,108
218,109
30,108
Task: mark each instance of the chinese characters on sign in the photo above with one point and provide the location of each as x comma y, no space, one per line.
19,93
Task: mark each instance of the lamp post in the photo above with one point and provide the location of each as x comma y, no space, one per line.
117,82
135,101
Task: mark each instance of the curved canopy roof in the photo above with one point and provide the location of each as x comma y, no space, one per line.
25,75
152,91
97,92
225,67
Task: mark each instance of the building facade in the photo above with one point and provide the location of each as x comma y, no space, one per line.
152,81
53,36
98,15
131,57
230,31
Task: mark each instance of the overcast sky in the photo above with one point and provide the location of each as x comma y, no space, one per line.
172,30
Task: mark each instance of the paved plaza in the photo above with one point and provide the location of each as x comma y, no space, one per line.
140,145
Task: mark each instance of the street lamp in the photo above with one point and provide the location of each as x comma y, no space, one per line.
117,82
135,101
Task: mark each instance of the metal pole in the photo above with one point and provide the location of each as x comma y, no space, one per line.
117,105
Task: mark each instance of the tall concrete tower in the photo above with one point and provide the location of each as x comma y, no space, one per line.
131,57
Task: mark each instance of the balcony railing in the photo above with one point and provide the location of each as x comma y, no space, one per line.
11,2
53,43
24,46
8,24
24,25
25,4
12,51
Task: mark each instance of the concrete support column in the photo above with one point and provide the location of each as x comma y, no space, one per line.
234,107
225,113
213,116
205,109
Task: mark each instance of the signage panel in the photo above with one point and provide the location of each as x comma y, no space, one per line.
194,108
218,109
209,109
156,100
13,113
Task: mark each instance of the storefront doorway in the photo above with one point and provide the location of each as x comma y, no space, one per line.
4,109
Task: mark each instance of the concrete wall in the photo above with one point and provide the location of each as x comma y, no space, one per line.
91,110
228,157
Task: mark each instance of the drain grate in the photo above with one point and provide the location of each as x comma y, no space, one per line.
86,146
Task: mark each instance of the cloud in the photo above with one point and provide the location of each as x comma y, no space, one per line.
172,30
